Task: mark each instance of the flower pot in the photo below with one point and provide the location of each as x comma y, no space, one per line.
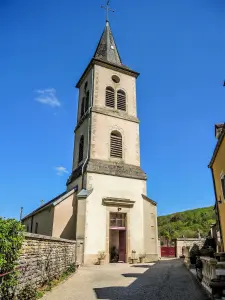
101,262
134,260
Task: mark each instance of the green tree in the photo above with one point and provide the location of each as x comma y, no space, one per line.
187,223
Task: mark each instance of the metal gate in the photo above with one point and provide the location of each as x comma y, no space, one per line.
168,252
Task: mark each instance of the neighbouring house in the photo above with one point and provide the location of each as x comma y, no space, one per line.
217,166
105,205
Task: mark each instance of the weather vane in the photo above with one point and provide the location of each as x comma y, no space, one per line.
108,9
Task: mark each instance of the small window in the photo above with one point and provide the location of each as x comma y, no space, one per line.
81,149
121,100
115,79
36,227
117,220
87,101
223,185
85,86
82,107
110,97
116,144
27,228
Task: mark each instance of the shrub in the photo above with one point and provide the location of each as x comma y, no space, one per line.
27,293
11,239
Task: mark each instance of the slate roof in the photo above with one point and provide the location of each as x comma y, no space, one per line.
107,54
106,49
54,201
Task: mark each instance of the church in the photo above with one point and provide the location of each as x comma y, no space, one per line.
105,205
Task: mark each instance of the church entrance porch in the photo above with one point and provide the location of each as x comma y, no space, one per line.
117,237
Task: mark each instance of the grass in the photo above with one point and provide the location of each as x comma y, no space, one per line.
40,293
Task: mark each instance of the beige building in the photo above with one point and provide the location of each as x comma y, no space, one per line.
105,204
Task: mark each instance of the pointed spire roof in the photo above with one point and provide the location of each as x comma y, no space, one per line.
107,55
106,49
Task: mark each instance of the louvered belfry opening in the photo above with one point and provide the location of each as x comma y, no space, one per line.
82,110
121,100
116,144
110,97
87,101
81,149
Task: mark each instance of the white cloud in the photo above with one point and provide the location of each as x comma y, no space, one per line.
48,97
61,170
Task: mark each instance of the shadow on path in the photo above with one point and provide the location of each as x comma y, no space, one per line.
166,280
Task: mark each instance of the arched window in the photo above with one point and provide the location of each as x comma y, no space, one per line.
121,100
85,86
87,101
81,149
116,144
82,107
110,97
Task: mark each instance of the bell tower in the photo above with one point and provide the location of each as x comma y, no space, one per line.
107,130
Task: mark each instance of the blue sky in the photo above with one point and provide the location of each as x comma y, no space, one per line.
179,49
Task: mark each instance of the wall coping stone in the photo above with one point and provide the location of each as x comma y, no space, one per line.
190,239
35,236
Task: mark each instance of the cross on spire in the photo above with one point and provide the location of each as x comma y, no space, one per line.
108,9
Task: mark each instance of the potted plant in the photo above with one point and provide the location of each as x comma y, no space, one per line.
142,257
133,257
101,257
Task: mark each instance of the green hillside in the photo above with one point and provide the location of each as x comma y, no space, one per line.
187,223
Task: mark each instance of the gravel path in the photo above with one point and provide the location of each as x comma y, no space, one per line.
166,280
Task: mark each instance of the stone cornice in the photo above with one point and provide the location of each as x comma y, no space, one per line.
115,169
115,113
109,201
107,112
75,174
119,68
123,69
81,121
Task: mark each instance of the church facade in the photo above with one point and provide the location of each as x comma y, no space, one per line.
105,205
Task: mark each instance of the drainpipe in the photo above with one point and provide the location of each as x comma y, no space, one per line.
89,129
217,208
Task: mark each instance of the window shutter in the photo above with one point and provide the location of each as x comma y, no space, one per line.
81,149
110,97
116,145
121,100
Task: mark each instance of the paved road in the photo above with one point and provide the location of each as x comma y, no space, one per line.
166,280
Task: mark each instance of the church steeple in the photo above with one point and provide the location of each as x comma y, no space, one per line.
106,49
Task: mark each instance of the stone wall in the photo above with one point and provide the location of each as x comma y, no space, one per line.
44,258
185,242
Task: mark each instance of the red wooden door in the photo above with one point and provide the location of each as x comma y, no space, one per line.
122,245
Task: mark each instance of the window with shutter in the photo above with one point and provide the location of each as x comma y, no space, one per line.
110,97
121,100
81,149
87,101
223,186
116,144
